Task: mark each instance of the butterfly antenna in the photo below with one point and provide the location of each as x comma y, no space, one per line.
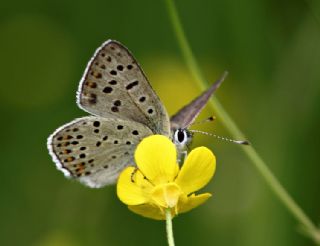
242,142
209,119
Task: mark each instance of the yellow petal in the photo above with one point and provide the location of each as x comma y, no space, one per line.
156,158
187,203
132,188
197,170
148,211
166,195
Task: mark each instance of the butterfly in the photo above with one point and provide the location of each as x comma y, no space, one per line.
124,109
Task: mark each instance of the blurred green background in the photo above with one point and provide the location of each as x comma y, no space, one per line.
272,51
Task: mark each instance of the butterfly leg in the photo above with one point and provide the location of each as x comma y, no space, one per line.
133,174
182,156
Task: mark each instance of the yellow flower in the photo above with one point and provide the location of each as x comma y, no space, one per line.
158,183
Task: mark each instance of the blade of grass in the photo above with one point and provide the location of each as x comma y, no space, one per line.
234,130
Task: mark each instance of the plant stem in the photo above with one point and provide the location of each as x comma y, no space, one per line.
169,227
231,126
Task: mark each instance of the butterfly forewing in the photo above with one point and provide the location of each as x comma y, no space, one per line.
96,149
114,85
186,116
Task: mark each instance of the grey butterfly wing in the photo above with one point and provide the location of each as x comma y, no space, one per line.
186,116
94,150
114,85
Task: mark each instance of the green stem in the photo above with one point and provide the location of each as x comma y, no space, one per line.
169,227
261,166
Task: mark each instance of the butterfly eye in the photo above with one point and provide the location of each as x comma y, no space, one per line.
180,136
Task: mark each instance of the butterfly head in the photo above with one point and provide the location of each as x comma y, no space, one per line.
181,137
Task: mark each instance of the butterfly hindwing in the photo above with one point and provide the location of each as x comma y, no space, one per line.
114,85
94,149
